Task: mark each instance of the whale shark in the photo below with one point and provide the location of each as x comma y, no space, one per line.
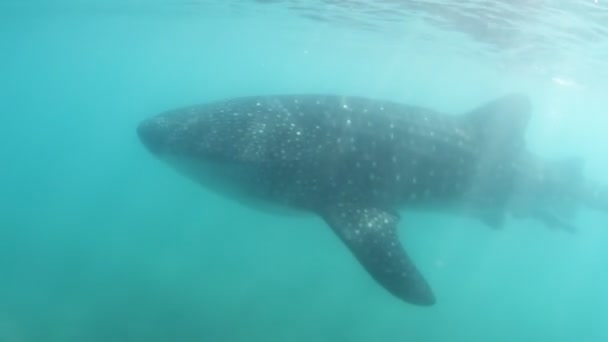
359,163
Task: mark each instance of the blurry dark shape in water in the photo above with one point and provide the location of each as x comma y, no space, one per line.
356,162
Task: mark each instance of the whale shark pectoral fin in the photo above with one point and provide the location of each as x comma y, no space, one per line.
371,234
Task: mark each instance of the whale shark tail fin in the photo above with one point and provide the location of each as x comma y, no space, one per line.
502,121
371,235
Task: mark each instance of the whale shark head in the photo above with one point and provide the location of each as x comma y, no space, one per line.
201,132
216,145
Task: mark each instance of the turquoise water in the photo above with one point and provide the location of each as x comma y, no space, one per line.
99,241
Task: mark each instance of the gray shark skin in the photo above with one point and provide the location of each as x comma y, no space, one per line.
356,162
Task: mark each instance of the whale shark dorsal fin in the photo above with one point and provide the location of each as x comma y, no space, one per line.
501,120
371,235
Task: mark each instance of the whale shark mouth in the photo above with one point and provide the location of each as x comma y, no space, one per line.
152,133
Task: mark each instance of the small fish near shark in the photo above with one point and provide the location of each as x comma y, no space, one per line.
357,162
